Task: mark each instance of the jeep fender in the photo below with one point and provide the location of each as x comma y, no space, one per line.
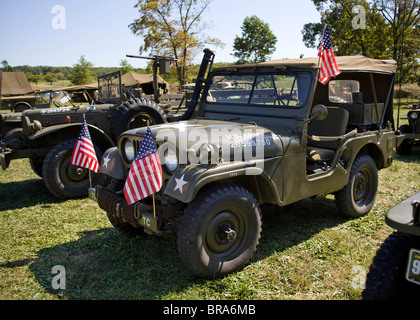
71,130
189,179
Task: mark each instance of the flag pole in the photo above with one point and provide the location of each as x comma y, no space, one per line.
319,56
153,195
90,177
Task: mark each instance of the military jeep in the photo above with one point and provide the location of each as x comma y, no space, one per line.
411,131
274,135
47,136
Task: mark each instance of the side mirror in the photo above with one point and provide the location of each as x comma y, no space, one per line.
319,112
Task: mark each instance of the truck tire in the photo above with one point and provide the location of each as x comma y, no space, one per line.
219,231
63,179
136,113
357,197
36,164
386,277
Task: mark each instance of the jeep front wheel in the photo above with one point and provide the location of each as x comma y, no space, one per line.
63,179
219,231
357,197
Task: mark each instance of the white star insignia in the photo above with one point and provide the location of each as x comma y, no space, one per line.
180,183
105,161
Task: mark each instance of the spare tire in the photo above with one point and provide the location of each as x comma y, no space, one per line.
136,113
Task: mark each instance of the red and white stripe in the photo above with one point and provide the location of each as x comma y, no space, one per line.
84,155
144,179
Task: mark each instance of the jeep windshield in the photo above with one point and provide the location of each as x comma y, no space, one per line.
279,90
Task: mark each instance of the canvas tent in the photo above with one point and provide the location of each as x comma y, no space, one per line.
143,81
14,84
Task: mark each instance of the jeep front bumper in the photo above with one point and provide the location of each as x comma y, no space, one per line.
138,215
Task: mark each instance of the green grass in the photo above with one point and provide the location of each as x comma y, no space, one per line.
307,250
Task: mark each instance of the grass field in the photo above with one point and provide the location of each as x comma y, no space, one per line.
307,250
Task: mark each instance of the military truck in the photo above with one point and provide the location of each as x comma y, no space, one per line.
47,136
411,131
275,136
395,270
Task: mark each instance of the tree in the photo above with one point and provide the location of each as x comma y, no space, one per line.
388,23
50,77
6,67
82,72
403,17
257,42
372,40
173,27
125,66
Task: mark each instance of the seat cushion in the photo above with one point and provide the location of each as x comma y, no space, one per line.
320,154
334,125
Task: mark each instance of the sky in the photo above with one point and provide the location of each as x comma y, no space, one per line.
59,32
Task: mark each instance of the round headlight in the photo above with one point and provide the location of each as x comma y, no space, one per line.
129,150
171,160
414,115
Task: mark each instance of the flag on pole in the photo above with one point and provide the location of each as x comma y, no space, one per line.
145,176
83,152
329,67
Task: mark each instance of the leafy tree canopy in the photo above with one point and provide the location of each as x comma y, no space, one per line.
256,43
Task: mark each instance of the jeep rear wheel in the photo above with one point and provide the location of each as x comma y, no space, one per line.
63,179
357,197
219,231
136,113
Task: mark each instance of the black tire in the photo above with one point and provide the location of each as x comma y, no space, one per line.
14,139
21,107
219,231
357,197
386,277
13,133
36,164
63,179
136,113
406,145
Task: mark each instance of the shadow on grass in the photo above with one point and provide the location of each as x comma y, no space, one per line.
413,157
22,194
103,264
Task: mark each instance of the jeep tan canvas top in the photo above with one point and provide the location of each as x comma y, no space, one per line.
345,63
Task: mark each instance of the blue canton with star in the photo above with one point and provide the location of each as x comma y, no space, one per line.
147,146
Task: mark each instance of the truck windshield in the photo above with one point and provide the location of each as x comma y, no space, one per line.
277,90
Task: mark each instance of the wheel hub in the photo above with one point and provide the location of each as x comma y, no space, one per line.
222,232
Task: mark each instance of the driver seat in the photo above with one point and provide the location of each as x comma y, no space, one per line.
324,136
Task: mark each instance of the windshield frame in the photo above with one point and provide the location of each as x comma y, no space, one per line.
256,74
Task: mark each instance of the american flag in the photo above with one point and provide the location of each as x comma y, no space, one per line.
145,176
329,67
83,152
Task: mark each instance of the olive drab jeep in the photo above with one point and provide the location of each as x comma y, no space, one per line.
411,131
274,135
47,136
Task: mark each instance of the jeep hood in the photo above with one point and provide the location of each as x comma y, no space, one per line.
192,134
